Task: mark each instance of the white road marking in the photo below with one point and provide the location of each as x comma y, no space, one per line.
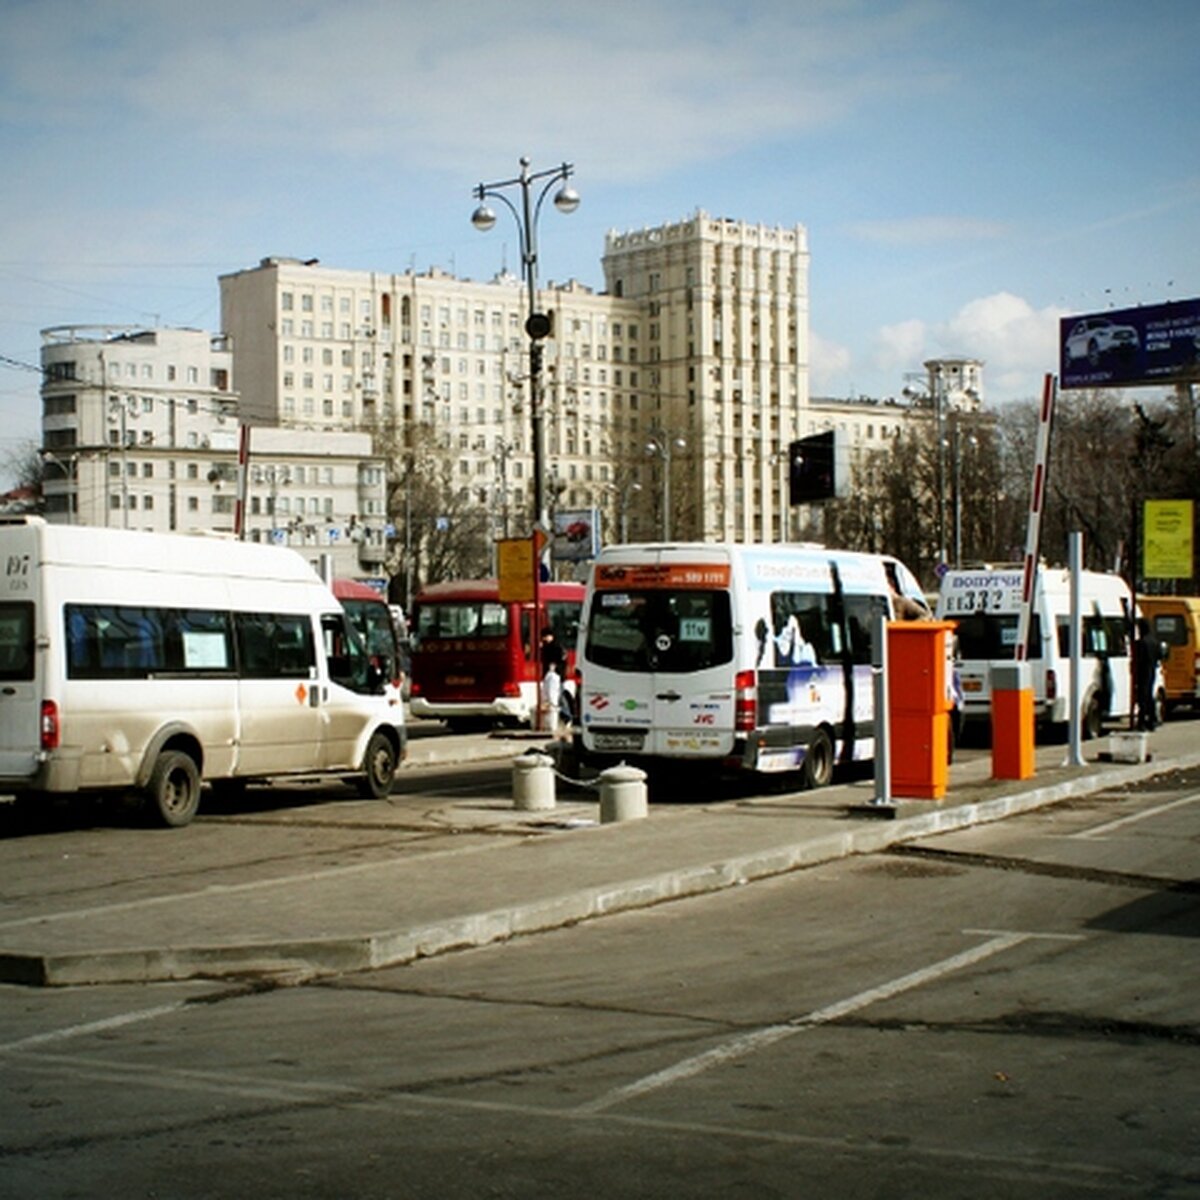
1109,826
757,1039
73,1031
253,1089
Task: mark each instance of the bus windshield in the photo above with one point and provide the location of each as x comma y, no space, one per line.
660,630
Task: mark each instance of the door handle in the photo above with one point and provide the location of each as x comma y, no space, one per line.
668,696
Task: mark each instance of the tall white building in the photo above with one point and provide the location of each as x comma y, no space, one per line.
140,430
725,305
129,418
695,359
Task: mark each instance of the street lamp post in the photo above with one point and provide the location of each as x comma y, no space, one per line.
69,474
537,324
661,443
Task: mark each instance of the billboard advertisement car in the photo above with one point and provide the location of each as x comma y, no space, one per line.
1131,347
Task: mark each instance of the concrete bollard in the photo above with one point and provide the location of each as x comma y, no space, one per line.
622,794
533,781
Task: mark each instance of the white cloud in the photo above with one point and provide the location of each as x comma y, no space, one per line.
446,85
901,347
1017,343
829,365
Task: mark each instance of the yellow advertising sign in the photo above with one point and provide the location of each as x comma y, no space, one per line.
1167,549
515,560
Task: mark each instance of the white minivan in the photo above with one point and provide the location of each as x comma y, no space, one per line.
146,663
747,657
986,604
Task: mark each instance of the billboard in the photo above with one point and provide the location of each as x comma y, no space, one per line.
576,535
1158,344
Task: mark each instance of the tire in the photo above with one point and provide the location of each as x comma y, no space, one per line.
173,793
379,768
817,769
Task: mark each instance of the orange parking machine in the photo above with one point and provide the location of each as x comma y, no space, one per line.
920,675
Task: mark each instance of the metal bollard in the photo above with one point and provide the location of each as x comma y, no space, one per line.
533,781
622,794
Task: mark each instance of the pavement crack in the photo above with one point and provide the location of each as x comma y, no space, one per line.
1056,1025
583,1006
1030,866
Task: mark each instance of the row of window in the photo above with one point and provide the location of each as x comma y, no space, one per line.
107,641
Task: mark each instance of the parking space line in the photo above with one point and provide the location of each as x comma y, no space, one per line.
1119,822
758,1039
102,1026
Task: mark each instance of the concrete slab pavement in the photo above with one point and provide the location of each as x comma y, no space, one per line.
407,889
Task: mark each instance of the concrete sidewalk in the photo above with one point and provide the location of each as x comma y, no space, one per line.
355,887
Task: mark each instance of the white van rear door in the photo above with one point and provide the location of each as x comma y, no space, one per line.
658,660
20,707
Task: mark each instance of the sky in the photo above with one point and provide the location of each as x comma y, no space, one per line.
967,171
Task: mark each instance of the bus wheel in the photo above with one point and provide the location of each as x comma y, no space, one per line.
817,768
379,768
173,794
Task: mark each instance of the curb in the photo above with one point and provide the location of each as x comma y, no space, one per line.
307,958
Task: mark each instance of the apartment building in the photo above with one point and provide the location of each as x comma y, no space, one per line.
430,363
693,361
129,420
140,430
726,312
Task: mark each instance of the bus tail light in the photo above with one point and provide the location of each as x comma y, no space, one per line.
50,732
510,688
745,702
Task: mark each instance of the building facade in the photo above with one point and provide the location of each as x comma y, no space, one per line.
725,307
140,430
680,386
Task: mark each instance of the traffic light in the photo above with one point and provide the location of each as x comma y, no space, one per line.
813,469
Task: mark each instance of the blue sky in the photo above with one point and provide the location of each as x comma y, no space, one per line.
967,171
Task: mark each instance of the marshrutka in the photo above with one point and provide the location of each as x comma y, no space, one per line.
148,664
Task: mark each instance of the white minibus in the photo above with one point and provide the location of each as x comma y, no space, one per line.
746,657
986,605
146,663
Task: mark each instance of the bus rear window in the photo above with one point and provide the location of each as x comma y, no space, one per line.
994,636
16,642
660,630
462,619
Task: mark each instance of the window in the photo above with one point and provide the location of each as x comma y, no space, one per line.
660,630
106,641
274,645
16,641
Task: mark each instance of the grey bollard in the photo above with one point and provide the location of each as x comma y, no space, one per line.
622,794
533,782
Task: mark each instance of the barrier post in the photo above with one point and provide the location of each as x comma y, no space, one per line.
533,781
1012,721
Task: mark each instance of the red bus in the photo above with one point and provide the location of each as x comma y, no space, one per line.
473,658
372,618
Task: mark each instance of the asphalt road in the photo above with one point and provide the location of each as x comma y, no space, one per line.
1011,1010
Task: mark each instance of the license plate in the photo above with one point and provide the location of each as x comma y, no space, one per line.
619,741
972,685
460,680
